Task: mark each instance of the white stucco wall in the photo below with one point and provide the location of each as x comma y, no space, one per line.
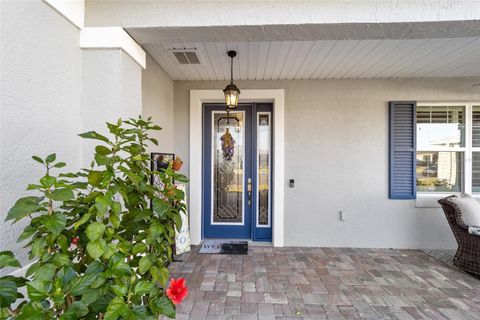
51,90
157,102
336,149
111,89
230,13
40,101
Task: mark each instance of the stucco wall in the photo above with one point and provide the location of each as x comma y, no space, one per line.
230,13
111,89
336,149
157,102
40,101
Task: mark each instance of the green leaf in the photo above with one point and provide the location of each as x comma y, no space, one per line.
163,306
95,230
38,247
143,287
102,202
124,247
116,309
95,178
31,270
119,289
142,313
79,284
37,290
116,207
93,135
45,272
51,158
23,207
101,160
114,220
109,250
34,187
139,248
180,178
47,181
63,242
27,233
32,311
160,206
96,248
79,308
8,294
144,264
60,260
7,259
159,274
117,266
102,150
38,159
94,268
59,165
132,176
55,223
82,220
92,294
178,220
62,194
99,281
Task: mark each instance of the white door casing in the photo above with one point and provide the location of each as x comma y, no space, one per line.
197,99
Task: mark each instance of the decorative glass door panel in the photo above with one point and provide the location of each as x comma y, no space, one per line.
237,166
228,162
264,167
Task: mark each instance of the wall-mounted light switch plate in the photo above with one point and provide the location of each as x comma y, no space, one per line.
343,215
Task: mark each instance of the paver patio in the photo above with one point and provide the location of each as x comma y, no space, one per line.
325,283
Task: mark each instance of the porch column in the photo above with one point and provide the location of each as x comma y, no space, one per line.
111,85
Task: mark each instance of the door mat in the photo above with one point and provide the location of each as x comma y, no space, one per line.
224,247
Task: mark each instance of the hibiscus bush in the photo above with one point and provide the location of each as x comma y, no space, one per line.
9,285
102,238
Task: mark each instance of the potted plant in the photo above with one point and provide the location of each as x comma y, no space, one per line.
100,250
177,163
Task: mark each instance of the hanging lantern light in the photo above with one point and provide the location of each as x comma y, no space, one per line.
231,91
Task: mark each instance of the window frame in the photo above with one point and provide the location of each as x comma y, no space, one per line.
468,149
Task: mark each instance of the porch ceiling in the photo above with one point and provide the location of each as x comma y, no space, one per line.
324,59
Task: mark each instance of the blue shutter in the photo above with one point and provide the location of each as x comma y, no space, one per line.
403,144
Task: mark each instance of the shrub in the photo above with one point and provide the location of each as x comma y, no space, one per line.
101,237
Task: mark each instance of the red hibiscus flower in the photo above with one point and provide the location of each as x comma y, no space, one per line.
75,240
177,290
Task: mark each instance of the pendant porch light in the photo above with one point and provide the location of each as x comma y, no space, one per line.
231,91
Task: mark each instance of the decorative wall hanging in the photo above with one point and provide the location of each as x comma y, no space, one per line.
228,145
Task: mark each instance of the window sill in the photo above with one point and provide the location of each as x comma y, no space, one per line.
431,200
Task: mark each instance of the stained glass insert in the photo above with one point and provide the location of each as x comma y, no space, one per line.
264,155
228,176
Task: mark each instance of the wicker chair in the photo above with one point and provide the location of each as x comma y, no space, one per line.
467,257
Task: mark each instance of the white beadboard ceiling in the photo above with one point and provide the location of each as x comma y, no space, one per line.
325,59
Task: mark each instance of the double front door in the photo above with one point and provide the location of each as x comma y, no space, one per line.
237,167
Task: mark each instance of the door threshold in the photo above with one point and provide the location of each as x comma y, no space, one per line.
250,242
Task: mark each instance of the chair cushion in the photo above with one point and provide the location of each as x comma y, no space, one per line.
467,210
474,230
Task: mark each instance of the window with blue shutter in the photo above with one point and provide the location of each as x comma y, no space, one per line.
402,184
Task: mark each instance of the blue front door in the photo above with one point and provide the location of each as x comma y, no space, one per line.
237,164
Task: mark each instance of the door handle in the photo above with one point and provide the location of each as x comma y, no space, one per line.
249,190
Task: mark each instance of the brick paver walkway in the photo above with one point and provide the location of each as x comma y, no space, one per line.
325,283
